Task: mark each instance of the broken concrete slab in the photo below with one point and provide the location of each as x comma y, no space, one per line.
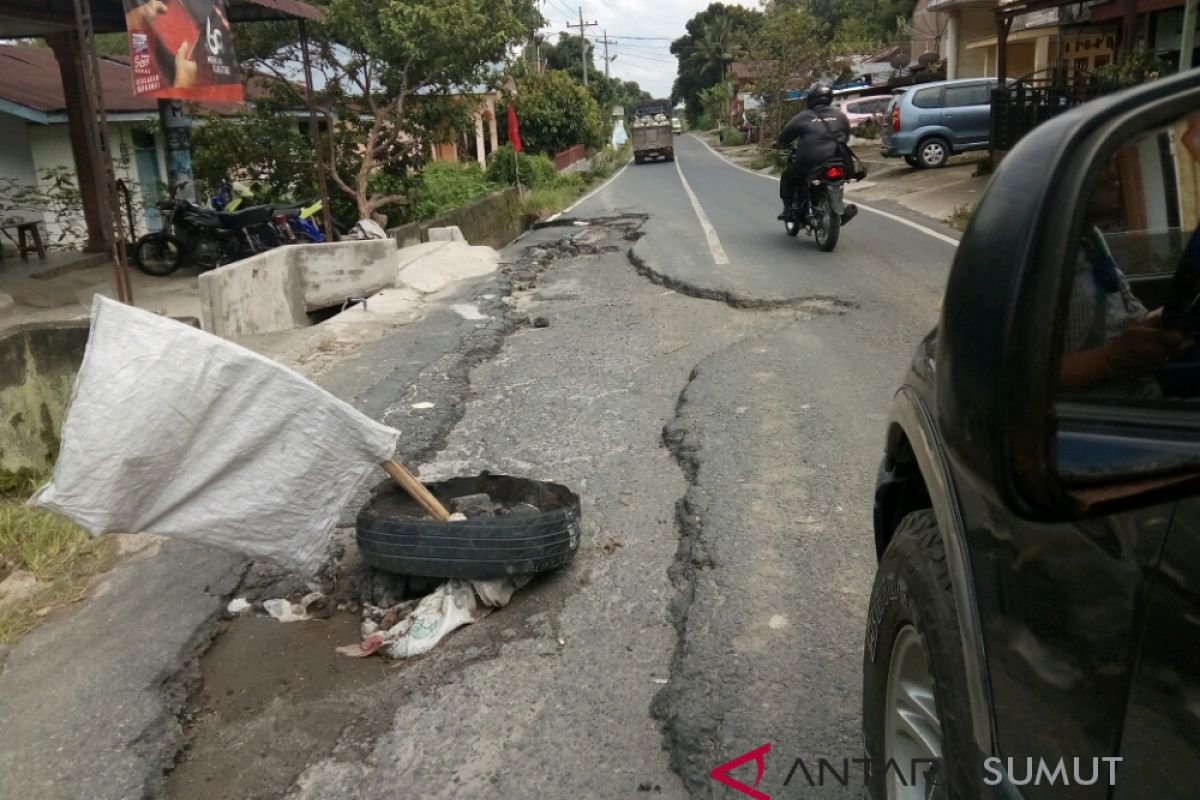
450,233
437,265
88,704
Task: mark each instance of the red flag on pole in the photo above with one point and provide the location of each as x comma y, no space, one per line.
514,129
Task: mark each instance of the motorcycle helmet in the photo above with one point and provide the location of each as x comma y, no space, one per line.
819,95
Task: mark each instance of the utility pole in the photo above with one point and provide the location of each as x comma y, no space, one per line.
607,60
583,42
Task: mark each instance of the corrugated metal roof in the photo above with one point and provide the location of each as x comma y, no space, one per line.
29,77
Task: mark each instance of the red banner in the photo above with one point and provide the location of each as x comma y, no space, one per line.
183,50
514,129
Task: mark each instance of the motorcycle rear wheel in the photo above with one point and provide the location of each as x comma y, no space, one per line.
827,226
159,254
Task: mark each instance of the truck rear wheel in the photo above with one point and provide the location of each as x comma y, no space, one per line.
639,159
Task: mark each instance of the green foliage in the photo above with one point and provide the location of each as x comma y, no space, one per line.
1139,65
391,71
259,147
446,186
960,217
716,101
555,113
772,159
871,129
56,196
549,200
733,138
536,170
715,37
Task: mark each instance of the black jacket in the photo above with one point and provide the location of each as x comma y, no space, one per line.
816,135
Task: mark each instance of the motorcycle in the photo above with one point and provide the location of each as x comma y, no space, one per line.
297,224
819,207
293,224
206,238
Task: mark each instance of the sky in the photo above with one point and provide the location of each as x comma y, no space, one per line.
647,59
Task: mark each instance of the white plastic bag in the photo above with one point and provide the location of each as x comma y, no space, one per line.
177,432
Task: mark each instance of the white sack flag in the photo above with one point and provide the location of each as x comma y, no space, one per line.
177,432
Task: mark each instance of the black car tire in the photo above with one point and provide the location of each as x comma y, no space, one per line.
928,149
158,254
393,536
913,588
912,162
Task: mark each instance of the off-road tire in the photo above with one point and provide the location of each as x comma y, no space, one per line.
912,587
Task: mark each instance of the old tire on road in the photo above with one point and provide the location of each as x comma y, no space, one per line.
915,703
395,535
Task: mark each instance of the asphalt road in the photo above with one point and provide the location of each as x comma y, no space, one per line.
717,393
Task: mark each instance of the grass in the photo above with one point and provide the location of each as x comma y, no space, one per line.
57,552
960,216
733,138
769,158
549,199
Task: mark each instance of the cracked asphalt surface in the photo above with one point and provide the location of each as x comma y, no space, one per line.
722,424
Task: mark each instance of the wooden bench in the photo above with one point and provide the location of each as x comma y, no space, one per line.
26,229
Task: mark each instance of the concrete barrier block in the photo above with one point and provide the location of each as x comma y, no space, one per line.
261,294
450,233
330,273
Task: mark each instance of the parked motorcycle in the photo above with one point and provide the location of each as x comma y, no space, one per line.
819,207
298,224
295,224
206,238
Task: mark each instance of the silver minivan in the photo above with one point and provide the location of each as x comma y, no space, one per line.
929,122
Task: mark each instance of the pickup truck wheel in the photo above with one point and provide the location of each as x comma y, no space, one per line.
915,704
932,153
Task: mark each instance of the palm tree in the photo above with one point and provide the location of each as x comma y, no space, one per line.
717,49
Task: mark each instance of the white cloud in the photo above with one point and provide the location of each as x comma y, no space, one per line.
647,61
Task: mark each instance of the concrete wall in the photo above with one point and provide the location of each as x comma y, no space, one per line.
50,146
273,291
38,364
494,221
261,294
330,273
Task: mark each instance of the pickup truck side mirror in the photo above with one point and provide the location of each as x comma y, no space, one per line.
1012,320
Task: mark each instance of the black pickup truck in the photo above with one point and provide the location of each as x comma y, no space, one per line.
1034,628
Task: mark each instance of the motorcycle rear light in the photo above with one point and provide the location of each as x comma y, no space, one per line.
835,173
281,219
896,120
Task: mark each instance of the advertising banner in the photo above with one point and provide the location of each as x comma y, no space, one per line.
182,50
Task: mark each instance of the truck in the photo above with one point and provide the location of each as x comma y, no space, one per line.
652,133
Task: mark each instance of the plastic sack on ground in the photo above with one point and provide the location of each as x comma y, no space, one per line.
451,606
177,432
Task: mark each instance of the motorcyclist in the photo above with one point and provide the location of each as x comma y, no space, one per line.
816,135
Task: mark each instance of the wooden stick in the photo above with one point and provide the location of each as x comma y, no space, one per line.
409,483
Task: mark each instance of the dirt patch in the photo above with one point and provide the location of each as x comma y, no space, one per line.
288,693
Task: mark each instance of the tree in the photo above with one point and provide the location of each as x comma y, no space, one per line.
396,76
555,113
565,56
715,38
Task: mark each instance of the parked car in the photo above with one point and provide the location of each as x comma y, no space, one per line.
861,110
928,123
1034,624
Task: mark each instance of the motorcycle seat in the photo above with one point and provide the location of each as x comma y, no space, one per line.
288,211
255,215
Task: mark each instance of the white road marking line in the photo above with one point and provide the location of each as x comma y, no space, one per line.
710,233
950,240
588,196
